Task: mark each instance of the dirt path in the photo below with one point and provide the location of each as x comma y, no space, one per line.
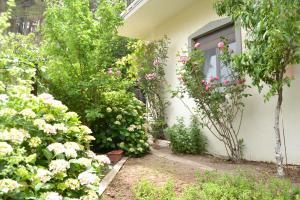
161,166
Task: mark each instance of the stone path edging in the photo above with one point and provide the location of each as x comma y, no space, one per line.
178,159
111,175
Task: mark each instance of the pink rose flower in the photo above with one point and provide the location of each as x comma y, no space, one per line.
197,45
207,87
240,81
226,82
184,59
156,62
110,71
203,82
150,77
217,78
221,45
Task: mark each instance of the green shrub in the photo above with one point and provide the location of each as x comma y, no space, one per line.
82,47
213,186
184,139
119,124
44,148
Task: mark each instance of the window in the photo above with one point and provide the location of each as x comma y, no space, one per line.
209,37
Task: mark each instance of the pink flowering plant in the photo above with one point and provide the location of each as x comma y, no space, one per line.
44,148
219,103
147,65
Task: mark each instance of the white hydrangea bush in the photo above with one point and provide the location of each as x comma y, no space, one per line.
44,148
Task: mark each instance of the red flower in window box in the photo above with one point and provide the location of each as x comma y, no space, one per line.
115,155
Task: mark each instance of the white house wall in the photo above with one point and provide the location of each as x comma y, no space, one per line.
257,127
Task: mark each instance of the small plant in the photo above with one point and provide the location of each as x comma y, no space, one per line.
147,191
188,140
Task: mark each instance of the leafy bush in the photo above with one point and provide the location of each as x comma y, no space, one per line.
44,148
120,124
188,140
213,186
82,47
147,62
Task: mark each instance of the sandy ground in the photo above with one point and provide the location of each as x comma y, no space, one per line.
159,170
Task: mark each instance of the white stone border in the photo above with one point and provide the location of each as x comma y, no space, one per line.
111,175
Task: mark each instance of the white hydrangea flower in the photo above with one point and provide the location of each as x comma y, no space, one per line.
73,184
57,148
89,138
57,166
60,127
5,148
82,161
8,112
3,98
70,115
40,123
87,178
71,153
131,128
35,142
8,185
28,113
73,129
72,145
109,110
85,129
14,135
90,154
46,97
102,159
49,129
44,175
53,196
49,117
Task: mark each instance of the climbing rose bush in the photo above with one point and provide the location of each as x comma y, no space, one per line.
44,148
219,100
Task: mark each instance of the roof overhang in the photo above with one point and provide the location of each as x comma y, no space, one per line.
142,16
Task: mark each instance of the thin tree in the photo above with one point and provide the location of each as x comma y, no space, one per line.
272,43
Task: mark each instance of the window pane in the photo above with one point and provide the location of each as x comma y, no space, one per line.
225,72
210,63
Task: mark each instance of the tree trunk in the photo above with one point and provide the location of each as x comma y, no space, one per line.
278,149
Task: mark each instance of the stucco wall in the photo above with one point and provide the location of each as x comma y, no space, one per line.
257,127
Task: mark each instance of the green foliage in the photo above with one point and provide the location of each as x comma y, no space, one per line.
147,191
82,47
120,122
272,41
147,66
188,140
213,186
44,148
219,104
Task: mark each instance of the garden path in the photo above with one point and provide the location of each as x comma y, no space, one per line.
162,165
